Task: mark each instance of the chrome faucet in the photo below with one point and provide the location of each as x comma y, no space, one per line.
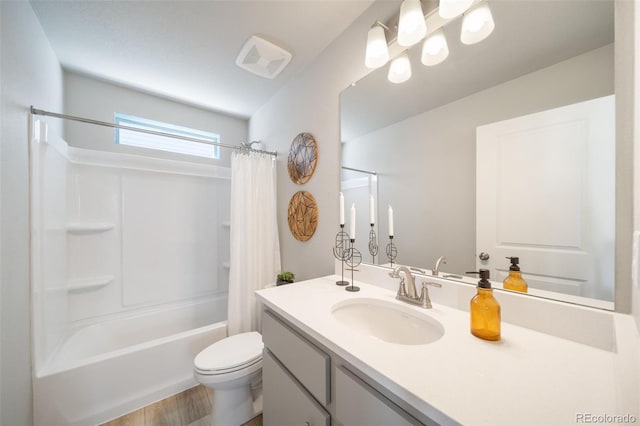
410,295
411,291
435,270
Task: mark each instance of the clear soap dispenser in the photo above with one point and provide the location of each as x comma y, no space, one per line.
485,310
515,281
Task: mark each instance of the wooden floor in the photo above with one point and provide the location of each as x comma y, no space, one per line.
189,408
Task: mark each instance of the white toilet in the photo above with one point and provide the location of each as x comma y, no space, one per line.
232,367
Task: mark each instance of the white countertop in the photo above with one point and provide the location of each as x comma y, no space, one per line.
527,378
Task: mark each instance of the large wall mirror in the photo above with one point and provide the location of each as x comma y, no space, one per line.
506,148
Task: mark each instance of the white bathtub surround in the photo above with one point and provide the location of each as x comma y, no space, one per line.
115,293
555,361
255,249
103,371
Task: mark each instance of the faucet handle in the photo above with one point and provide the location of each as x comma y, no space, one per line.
424,294
402,289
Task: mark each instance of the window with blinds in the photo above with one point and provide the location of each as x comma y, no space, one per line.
165,143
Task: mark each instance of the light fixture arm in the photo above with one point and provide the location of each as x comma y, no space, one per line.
381,24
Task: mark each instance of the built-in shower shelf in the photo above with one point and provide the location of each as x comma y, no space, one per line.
88,284
79,228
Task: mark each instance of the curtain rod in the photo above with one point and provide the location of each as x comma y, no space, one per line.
35,111
359,170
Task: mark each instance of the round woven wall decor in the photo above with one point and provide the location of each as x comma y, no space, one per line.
303,157
303,215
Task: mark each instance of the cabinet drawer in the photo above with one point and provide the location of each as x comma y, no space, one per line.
285,401
358,404
304,360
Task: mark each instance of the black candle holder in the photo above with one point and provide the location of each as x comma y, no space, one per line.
353,261
373,244
341,251
392,251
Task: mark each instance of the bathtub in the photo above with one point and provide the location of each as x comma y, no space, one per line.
102,371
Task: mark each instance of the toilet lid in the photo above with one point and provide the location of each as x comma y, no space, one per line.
231,352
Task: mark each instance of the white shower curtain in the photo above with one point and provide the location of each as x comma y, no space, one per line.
255,248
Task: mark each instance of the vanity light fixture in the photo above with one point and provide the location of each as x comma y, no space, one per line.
400,69
435,49
477,24
449,9
411,24
377,53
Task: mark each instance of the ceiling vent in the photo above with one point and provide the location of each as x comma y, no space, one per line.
262,57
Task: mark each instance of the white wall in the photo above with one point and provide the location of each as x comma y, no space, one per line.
626,197
432,156
310,104
99,100
636,136
31,75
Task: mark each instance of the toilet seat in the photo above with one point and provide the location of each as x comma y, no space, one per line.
232,354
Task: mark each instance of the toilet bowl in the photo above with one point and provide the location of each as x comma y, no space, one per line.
232,367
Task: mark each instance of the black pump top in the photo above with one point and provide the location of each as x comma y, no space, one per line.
484,278
514,263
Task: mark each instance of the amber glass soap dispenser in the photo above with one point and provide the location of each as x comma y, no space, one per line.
515,281
485,310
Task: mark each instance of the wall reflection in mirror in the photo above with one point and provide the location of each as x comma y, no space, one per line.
360,188
507,147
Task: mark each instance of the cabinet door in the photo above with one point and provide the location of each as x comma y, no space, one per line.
286,402
303,359
357,404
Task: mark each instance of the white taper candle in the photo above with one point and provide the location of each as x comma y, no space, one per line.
390,221
341,209
371,209
352,222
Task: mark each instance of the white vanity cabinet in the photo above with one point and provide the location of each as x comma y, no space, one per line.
368,381
295,377
305,384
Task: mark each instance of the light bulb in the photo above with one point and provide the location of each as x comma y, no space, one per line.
411,26
400,69
477,24
435,49
449,9
377,51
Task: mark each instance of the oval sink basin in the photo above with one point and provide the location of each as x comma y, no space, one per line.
387,321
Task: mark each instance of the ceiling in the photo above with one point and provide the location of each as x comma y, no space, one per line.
186,50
